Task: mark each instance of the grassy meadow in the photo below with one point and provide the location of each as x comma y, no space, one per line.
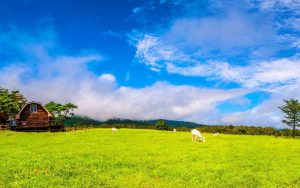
146,158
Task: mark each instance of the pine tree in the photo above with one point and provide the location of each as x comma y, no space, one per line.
291,109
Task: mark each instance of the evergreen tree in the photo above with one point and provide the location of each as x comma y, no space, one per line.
291,109
161,125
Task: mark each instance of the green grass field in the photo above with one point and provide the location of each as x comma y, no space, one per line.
146,158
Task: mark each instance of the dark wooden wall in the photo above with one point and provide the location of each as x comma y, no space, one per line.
40,116
3,119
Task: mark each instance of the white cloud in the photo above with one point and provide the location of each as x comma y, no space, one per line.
161,100
246,33
264,74
152,51
107,77
281,77
267,75
102,98
56,79
267,4
191,39
138,9
127,76
235,44
197,70
267,113
293,23
233,30
279,4
297,44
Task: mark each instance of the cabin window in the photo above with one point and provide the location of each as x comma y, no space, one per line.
33,108
13,123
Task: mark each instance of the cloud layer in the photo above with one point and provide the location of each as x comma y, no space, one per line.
254,45
204,55
66,78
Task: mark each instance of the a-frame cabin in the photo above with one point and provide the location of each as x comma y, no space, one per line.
35,117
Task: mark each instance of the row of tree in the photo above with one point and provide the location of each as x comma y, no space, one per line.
247,130
11,103
84,122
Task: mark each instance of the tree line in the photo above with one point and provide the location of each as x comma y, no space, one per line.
85,122
11,103
247,130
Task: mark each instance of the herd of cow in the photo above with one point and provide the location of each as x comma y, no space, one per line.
196,135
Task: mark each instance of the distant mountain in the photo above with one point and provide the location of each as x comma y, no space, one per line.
80,120
125,121
173,123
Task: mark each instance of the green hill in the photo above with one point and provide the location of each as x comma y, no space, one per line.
80,120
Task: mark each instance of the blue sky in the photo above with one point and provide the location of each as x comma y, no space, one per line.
215,62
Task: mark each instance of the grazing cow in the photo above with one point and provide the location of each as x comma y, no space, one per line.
196,134
174,130
216,134
114,129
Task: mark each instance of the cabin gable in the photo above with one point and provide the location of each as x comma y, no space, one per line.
34,112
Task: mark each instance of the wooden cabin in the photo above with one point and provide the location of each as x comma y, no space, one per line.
35,117
3,121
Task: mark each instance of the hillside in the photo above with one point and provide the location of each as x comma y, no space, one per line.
79,120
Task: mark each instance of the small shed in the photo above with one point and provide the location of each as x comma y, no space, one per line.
34,116
3,121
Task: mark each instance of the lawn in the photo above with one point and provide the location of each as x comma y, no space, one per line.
146,158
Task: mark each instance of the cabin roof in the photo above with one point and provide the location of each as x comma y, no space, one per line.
33,102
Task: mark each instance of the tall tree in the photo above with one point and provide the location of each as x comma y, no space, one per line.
61,111
291,109
161,125
11,102
68,108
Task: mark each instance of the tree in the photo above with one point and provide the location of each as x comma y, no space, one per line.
291,109
161,125
60,111
68,108
11,102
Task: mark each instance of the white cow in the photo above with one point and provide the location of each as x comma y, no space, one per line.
114,130
196,134
216,134
174,130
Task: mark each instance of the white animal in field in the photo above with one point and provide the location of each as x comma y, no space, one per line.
174,130
216,134
114,130
196,134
